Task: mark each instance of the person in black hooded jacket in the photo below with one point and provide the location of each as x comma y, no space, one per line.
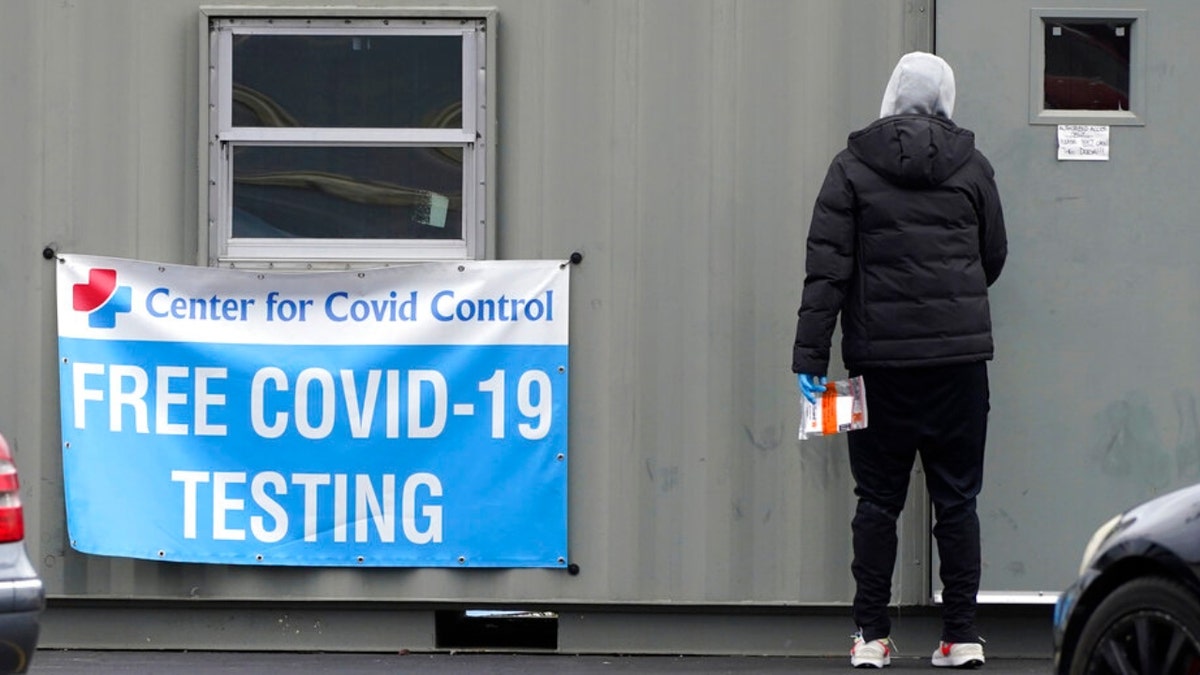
907,234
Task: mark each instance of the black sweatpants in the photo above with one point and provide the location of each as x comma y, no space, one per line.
942,414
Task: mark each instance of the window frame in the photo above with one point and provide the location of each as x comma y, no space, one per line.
217,246
1039,114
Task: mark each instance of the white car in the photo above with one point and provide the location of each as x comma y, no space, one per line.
22,596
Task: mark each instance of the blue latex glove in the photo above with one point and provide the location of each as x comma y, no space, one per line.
811,385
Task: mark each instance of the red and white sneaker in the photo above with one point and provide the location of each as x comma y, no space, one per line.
958,655
873,654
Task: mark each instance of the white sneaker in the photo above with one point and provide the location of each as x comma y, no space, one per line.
873,654
958,655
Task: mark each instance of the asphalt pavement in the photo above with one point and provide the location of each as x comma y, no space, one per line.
77,662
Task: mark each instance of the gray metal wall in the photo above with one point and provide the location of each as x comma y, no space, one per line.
678,144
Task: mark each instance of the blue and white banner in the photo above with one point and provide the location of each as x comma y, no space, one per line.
409,416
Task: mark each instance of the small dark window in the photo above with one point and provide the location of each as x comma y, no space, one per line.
346,81
1087,64
347,192
356,140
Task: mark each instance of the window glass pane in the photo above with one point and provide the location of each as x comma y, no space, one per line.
347,193
1087,64
341,81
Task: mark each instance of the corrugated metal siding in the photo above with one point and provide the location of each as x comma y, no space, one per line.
677,144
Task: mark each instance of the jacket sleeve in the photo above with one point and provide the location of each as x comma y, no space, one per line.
828,265
993,238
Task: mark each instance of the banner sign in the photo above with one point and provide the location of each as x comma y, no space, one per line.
408,416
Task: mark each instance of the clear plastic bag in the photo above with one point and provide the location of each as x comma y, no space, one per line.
843,407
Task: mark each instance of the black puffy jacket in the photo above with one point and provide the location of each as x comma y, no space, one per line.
907,234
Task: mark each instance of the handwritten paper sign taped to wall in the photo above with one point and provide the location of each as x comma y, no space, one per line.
1083,142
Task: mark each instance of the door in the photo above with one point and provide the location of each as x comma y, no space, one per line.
1084,109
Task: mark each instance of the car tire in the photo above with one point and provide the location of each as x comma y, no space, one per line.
1132,629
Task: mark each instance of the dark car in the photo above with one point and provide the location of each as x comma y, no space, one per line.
1135,607
22,596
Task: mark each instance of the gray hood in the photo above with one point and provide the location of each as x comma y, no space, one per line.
914,143
921,84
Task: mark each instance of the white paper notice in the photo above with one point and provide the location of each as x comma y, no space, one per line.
1083,142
